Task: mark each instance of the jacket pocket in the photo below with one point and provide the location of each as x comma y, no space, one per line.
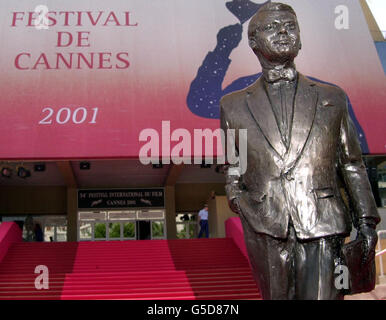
324,193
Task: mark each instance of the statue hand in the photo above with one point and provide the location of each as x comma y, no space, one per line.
369,238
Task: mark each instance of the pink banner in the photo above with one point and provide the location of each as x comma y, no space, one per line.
83,79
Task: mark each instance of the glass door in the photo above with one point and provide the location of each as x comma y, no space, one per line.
158,230
187,227
143,230
54,227
121,225
55,233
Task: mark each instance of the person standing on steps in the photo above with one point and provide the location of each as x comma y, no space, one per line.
39,236
203,221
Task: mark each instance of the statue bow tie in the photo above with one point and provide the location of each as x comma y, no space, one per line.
287,74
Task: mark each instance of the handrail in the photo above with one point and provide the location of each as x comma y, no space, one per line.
380,252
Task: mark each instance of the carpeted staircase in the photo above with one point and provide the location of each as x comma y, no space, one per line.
150,269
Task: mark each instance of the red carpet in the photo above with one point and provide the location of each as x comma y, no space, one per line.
156,269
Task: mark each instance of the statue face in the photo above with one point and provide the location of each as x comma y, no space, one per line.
277,36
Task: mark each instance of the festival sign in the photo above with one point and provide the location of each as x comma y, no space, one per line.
121,198
97,79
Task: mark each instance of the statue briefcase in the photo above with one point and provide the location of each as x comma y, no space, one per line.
362,276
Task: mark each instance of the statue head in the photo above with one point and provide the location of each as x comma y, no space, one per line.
274,34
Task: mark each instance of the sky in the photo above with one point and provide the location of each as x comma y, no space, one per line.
378,8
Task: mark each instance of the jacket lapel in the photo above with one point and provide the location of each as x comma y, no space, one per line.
261,110
303,118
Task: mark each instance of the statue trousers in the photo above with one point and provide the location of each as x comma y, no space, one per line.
288,269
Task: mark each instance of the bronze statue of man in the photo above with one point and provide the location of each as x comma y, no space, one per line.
302,148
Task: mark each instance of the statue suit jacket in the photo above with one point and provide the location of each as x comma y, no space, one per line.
302,183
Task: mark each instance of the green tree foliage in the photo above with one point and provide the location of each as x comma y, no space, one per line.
157,229
115,230
192,231
100,231
182,233
129,230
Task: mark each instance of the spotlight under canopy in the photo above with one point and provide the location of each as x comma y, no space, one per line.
40,167
6,172
23,172
8,169
84,165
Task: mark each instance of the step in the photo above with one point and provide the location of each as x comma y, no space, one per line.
155,269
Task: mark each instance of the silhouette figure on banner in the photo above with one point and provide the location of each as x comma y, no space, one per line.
206,89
